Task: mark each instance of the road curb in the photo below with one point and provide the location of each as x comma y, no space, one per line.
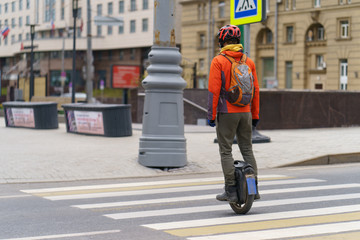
328,159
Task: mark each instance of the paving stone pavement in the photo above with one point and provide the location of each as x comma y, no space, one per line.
28,155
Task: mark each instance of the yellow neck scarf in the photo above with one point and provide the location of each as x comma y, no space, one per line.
232,47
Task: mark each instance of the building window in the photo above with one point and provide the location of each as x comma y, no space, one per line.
121,6
145,4
269,36
320,33
132,53
27,19
341,2
12,39
286,4
133,5
289,34
49,10
132,26
13,23
221,9
99,31
288,74
343,74
6,7
79,13
99,9
201,40
13,6
109,30
145,25
201,64
110,54
320,62
121,29
20,5
293,4
27,36
317,3
110,8
201,11
27,4
121,54
0,8
344,29
62,10
315,33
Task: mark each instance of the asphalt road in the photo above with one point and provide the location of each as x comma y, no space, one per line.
305,202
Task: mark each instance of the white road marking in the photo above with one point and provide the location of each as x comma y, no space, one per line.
252,218
287,232
65,235
192,188
178,199
138,184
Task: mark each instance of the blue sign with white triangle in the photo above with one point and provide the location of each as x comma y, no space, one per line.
247,11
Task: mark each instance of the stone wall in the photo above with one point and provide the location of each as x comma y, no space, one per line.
280,109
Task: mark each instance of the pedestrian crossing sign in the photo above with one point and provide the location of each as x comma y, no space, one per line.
247,11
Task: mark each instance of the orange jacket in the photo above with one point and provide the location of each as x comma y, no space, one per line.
220,73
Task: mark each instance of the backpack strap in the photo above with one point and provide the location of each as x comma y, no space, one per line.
243,58
231,59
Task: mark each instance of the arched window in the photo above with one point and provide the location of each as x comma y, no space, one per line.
316,32
265,36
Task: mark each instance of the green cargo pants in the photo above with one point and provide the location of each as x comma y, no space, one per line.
227,126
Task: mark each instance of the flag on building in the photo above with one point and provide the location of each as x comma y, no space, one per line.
22,46
52,25
5,32
81,25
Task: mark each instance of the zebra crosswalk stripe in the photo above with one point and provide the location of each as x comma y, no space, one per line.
252,218
287,232
177,199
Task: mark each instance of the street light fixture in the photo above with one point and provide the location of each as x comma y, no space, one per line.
75,8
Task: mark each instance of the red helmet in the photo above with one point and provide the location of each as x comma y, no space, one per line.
228,32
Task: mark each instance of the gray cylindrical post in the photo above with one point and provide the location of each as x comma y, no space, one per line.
247,39
162,143
89,58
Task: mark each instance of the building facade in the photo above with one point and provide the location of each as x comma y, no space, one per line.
127,44
317,42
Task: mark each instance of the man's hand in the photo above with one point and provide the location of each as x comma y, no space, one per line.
211,123
255,122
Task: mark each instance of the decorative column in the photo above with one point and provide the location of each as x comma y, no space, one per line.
162,143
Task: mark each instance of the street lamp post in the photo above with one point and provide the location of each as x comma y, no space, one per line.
32,35
73,76
162,143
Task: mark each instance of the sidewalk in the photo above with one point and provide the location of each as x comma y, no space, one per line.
28,155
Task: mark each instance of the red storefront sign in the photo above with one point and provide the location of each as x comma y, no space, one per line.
125,76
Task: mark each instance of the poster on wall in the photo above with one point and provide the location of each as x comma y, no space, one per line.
20,117
85,122
125,76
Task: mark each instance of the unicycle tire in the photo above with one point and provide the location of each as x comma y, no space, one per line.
245,207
